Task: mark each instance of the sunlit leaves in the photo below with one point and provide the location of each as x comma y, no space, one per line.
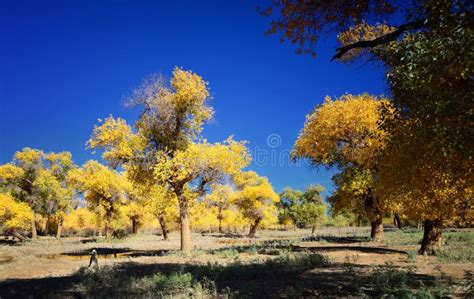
342,131
14,214
255,197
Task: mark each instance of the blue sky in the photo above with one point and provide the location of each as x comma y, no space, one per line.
67,63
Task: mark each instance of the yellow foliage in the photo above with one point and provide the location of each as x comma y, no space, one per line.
13,214
190,94
29,158
203,217
80,220
255,198
426,183
361,32
209,162
117,138
104,189
346,130
10,172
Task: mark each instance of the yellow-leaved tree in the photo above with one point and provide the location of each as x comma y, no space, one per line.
166,149
220,198
428,185
39,180
14,215
81,221
104,190
256,200
347,133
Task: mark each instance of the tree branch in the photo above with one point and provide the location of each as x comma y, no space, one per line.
379,40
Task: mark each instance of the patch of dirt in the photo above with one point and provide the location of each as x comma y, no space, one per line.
50,257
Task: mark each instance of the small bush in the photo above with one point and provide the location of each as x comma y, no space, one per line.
411,256
229,253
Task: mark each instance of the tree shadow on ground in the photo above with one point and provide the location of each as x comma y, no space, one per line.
10,242
225,235
309,276
105,253
365,249
337,239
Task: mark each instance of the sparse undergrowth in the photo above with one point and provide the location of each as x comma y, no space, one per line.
210,280
390,282
458,246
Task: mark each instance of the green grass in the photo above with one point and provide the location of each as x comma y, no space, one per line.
403,237
390,282
212,280
108,282
458,245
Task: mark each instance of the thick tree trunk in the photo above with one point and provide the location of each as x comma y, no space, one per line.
34,232
253,227
432,237
376,232
397,221
164,230
184,221
60,226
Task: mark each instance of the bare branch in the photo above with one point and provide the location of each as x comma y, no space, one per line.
379,40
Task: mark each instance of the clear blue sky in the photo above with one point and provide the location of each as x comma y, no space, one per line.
65,64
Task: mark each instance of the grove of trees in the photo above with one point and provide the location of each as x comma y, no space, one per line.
408,153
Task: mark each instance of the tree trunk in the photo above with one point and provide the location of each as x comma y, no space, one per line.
184,221
313,230
34,232
17,235
396,220
108,231
134,226
219,217
164,231
60,226
376,232
432,237
253,227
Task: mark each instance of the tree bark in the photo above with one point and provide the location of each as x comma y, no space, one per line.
184,221
108,231
376,232
134,226
60,226
432,237
253,227
219,217
34,232
17,235
313,229
164,230
396,220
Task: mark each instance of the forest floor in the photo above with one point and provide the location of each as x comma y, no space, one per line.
333,262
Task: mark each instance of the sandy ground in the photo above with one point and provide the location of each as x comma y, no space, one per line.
49,257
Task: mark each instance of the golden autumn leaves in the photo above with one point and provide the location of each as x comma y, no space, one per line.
161,168
382,171
166,150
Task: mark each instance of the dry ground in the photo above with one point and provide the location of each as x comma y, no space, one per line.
41,263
